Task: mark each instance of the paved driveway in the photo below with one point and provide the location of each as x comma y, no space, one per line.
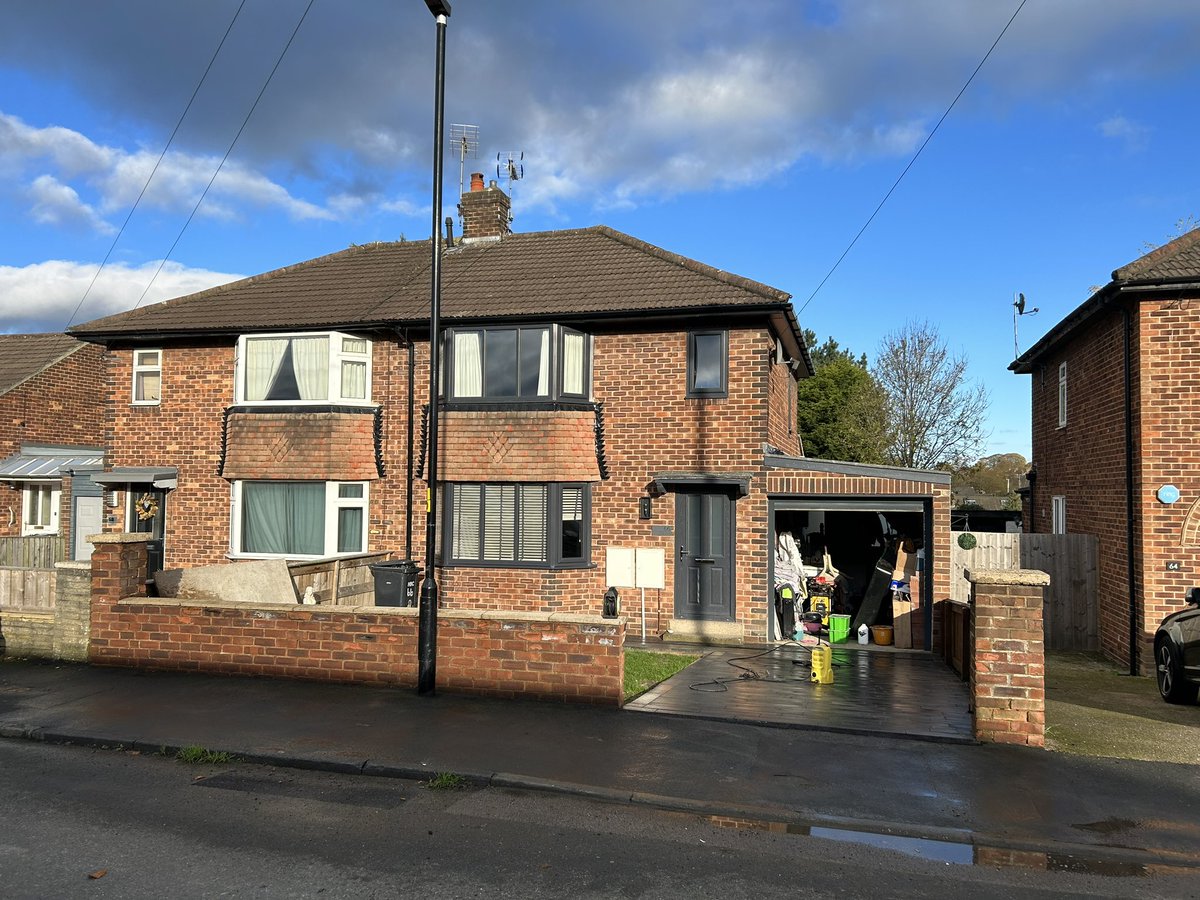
876,690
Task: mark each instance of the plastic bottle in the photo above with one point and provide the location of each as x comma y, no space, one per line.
863,634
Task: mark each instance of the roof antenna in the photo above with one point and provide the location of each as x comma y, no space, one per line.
510,165
1018,311
464,140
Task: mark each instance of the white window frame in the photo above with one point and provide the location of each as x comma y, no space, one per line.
1058,514
140,370
31,493
333,503
337,356
1062,395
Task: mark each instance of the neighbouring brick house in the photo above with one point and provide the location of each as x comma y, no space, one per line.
597,393
1116,412
51,436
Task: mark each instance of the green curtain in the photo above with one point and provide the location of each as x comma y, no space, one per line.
283,517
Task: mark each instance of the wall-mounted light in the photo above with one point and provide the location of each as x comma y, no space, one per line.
645,508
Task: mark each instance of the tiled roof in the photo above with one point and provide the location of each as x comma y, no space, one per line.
1178,259
24,355
584,271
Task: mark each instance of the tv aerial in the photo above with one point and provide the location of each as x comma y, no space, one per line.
464,140
510,165
1018,311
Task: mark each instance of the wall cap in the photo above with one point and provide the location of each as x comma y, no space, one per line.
81,565
119,538
1030,577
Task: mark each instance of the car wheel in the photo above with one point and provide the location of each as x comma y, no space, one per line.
1169,672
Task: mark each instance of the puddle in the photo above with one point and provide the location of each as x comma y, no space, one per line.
963,853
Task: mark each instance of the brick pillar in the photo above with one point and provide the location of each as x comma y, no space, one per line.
1008,693
118,571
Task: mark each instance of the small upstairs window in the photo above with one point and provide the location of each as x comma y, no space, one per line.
1062,395
707,364
147,377
304,368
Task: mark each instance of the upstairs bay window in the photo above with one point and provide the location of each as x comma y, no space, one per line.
532,363
304,368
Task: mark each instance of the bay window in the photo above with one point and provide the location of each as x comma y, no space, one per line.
519,363
544,525
299,518
304,368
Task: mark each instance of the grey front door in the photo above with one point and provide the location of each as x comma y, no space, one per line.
704,556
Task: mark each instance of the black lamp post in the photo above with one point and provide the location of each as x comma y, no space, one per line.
427,621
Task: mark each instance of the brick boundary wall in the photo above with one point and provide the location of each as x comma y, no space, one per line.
543,656
1008,693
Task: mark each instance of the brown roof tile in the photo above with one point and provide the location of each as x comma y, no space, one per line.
24,355
1178,259
584,271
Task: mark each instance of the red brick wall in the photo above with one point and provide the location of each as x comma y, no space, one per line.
1085,461
64,404
781,410
518,445
1169,453
568,658
1008,662
302,446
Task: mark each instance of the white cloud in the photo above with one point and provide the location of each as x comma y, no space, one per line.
55,203
44,296
1132,134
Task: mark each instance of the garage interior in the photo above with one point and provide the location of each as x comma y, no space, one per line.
861,558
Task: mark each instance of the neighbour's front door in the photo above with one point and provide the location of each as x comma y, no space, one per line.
86,519
704,556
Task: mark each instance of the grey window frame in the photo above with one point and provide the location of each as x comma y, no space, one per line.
553,527
692,390
557,336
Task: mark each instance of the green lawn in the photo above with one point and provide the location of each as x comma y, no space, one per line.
645,668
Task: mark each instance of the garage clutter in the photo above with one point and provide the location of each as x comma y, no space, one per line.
870,592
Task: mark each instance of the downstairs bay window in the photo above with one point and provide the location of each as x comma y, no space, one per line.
535,525
299,518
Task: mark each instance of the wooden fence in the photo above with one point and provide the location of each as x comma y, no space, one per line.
338,580
1070,613
28,590
40,551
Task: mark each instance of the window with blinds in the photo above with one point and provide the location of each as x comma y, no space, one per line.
518,524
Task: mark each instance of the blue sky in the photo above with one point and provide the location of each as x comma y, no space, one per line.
754,137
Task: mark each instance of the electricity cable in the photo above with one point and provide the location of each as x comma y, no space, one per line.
225,158
721,685
157,163
896,183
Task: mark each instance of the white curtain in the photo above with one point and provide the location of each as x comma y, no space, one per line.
310,360
354,380
262,362
573,363
468,365
543,388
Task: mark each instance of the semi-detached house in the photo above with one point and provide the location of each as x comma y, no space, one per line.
597,392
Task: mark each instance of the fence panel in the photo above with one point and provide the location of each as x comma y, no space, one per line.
28,590
1071,616
338,581
40,551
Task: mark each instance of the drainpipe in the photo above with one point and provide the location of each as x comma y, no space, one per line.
1129,497
409,456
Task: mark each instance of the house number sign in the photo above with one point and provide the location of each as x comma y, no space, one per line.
1168,493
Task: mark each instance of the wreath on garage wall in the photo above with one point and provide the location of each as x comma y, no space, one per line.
967,541
146,507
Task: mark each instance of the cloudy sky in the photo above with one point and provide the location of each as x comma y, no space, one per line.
757,137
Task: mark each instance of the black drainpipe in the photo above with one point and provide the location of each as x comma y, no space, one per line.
1129,498
409,455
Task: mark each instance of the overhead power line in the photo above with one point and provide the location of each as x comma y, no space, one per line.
224,158
157,163
896,183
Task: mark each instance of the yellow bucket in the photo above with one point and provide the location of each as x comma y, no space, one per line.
822,665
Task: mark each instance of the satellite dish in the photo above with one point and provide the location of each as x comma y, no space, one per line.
1020,304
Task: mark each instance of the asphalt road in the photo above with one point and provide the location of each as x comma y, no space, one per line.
77,822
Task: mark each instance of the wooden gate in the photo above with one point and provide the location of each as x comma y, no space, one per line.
1071,615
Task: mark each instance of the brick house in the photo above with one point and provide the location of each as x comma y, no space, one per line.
598,393
51,437
1115,408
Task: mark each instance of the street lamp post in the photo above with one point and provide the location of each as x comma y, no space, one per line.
427,621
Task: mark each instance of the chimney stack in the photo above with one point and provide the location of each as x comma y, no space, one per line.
485,211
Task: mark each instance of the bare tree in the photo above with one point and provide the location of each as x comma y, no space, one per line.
935,415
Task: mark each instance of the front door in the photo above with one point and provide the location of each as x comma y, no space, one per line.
86,519
704,556
148,515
